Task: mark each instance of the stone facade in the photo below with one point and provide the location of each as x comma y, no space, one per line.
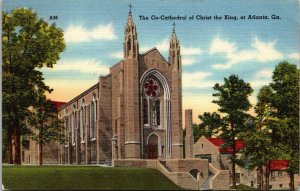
133,117
134,112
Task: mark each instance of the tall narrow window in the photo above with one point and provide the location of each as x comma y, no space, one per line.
157,111
145,110
73,120
66,125
92,120
82,123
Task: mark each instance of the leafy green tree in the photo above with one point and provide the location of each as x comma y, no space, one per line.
285,101
28,44
234,103
210,123
259,146
198,131
277,123
44,125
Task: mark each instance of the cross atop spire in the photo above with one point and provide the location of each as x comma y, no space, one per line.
130,8
174,26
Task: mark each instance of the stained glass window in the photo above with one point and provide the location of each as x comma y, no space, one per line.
145,110
151,88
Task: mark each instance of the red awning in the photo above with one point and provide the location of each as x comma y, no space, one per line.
278,165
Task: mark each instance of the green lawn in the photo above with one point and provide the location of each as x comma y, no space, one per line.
83,178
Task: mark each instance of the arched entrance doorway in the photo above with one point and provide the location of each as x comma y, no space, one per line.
153,146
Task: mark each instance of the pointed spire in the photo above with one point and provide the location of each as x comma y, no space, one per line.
174,33
129,20
130,43
129,8
174,51
174,26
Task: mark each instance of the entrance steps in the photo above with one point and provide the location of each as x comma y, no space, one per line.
191,174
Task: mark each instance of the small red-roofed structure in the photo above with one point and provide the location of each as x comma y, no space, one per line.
275,165
239,144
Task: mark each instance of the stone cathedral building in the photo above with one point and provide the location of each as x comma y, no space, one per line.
133,117
136,107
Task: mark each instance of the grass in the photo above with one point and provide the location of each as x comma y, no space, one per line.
83,178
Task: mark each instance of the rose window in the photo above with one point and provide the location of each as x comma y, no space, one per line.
151,88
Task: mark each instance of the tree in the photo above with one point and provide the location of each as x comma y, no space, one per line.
210,123
285,101
44,124
277,123
259,146
233,102
28,44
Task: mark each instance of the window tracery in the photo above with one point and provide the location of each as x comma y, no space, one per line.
151,102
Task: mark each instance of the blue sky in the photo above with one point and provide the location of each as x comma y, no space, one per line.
211,49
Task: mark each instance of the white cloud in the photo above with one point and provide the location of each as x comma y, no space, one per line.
265,51
258,83
222,46
190,51
261,78
85,66
264,73
77,34
197,80
260,52
188,61
295,56
118,55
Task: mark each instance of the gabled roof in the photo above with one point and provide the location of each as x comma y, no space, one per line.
156,50
278,165
239,144
79,96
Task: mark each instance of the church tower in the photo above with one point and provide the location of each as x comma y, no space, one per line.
176,96
174,51
131,91
131,47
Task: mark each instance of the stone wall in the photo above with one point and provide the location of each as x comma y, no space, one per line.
189,137
220,179
205,147
136,163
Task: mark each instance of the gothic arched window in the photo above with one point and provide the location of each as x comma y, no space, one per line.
66,125
151,88
151,102
156,112
82,123
73,124
145,111
92,120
